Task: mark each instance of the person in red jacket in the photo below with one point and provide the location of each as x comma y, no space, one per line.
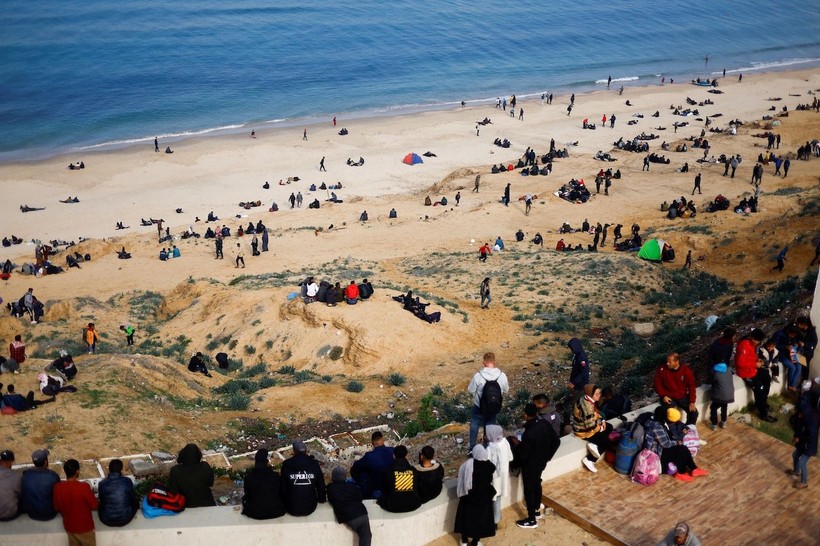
75,501
753,371
675,385
352,293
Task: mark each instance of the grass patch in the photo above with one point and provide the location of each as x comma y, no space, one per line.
396,379
354,386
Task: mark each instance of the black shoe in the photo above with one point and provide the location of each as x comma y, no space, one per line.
527,523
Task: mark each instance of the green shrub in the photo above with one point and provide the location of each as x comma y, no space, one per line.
354,386
256,369
236,402
287,370
396,379
250,349
237,385
336,353
267,382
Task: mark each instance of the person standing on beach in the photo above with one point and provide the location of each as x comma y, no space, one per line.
645,164
688,263
159,229
608,81
334,121
91,338
458,197
322,163
218,241
504,104
292,199
477,182
572,99
156,144
786,164
697,185
299,199
264,239
304,135
521,114
240,256
724,72
569,110
484,292
507,195
739,78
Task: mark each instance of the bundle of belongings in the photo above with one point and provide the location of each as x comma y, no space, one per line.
574,191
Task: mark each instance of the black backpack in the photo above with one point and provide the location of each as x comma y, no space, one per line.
490,403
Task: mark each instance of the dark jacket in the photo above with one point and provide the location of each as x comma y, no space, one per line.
579,376
303,485
346,500
538,444
720,351
38,493
552,417
805,430
723,388
118,504
192,477
430,481
263,494
369,471
400,488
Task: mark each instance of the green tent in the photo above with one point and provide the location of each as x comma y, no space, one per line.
652,250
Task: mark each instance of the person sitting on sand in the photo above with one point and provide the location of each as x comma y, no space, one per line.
51,385
72,262
428,202
64,365
393,213
212,217
363,216
519,236
197,365
163,255
123,254
352,293
168,150
22,403
538,239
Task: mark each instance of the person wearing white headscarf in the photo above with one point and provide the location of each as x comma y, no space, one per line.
500,455
474,516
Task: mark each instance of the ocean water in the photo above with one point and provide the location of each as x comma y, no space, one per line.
76,74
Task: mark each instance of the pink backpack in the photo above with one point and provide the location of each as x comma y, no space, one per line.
691,440
647,468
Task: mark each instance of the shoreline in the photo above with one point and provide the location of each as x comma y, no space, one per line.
631,83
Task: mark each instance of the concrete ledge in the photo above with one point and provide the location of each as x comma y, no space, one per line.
225,523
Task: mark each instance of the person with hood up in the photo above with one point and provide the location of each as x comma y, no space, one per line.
501,455
303,484
805,423
681,535
192,477
579,376
348,507
476,387
722,393
474,515
263,490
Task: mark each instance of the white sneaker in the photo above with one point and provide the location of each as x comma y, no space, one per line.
589,465
593,450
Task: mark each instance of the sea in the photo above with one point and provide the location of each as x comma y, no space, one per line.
80,75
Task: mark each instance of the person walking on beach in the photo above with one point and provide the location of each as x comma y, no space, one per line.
608,81
507,195
91,338
528,204
322,165
156,144
521,114
218,241
688,263
304,135
458,197
569,110
697,185
645,164
334,121
299,199
786,165
292,200
572,99
477,182
484,291
739,78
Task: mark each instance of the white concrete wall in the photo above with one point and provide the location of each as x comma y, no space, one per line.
225,525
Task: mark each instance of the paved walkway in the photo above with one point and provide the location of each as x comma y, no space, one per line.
746,499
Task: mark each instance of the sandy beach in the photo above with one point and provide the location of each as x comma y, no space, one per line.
217,173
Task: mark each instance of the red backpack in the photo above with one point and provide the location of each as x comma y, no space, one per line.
160,497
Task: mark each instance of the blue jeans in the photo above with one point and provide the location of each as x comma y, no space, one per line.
478,421
485,300
792,372
801,465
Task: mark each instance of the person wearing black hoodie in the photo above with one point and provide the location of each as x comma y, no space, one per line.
430,475
721,349
192,477
303,484
537,447
579,376
346,500
400,488
263,490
